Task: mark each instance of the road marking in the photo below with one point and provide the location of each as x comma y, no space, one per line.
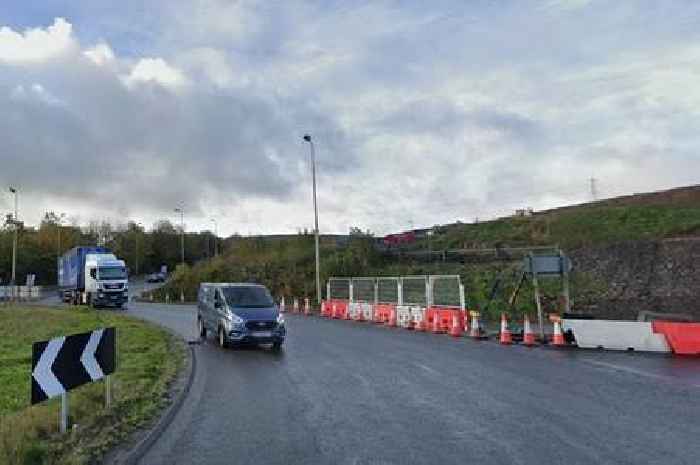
636,371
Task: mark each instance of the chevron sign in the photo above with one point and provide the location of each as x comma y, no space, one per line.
64,363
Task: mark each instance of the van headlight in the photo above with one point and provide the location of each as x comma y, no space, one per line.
236,322
280,319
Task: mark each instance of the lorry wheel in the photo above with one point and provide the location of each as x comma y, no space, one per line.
222,338
202,329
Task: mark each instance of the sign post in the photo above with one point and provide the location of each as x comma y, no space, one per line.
67,362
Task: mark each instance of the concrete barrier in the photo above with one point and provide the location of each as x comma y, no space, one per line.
616,335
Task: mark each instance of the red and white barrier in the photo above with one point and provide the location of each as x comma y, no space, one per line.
614,335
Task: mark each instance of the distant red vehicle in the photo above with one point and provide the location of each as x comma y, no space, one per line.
393,240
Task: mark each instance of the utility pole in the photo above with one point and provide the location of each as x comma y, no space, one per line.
594,190
13,280
59,225
137,245
216,238
181,211
307,138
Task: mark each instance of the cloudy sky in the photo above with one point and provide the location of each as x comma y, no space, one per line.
422,112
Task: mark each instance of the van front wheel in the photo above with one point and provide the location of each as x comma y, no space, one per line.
202,329
222,338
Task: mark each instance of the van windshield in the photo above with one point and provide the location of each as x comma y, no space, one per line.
248,297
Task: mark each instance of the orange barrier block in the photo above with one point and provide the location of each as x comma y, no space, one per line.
684,338
340,309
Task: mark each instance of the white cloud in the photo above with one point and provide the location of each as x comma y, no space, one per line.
36,45
155,70
101,54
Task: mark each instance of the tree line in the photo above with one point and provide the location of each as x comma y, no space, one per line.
144,251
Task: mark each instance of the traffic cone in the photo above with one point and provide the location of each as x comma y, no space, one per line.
295,308
307,307
392,317
506,336
456,330
558,336
282,309
528,334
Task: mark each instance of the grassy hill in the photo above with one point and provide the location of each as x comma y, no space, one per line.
286,265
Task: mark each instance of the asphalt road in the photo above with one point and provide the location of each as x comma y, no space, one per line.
354,393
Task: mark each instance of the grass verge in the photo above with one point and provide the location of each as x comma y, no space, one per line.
148,359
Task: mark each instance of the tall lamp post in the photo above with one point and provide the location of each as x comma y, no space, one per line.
59,225
216,237
13,190
138,249
181,211
307,138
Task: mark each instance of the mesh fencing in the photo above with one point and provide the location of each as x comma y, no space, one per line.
339,288
363,289
414,290
446,291
388,290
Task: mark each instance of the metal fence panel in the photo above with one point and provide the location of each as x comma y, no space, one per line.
415,289
339,288
446,291
363,289
388,290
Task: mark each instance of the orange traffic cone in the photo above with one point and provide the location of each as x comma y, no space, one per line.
307,307
456,330
296,306
506,336
392,317
528,335
558,336
282,309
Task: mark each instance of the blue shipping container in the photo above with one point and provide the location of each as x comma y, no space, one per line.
71,266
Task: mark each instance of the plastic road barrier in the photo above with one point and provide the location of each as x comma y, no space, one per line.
354,310
684,338
616,335
418,315
440,319
367,311
382,312
403,316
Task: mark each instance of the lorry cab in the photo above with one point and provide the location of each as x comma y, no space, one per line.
239,314
106,280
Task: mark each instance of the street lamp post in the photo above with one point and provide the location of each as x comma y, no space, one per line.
13,190
181,211
59,225
138,249
216,237
307,138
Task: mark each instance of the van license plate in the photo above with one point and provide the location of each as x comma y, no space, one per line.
262,333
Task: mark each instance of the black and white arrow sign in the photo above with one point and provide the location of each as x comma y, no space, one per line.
67,362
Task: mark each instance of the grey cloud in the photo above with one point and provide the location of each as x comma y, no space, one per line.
151,146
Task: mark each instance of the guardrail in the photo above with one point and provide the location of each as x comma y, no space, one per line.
21,293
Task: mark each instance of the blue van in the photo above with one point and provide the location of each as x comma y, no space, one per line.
239,314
